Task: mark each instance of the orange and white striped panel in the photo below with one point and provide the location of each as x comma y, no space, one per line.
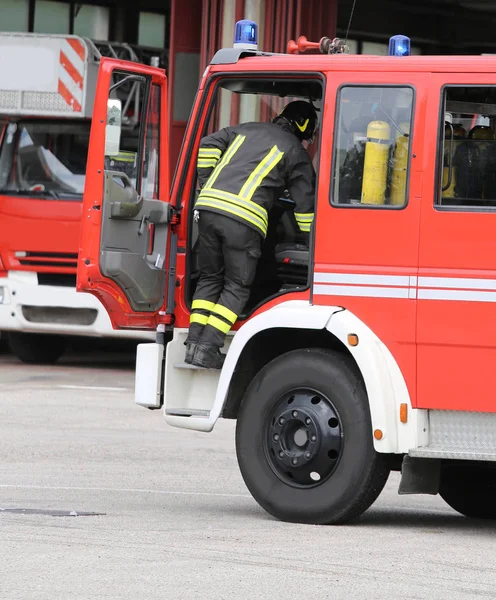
71,72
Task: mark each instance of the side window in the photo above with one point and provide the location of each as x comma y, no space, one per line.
467,148
372,146
150,179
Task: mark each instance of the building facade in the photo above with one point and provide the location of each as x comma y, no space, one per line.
187,33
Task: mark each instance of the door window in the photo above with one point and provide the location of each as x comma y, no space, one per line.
372,146
123,132
467,149
150,179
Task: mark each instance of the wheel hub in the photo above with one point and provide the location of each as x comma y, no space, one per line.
303,438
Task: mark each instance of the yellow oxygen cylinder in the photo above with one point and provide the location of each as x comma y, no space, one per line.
375,166
400,165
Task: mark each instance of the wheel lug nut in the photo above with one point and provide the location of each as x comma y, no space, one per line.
281,454
308,421
295,461
276,437
307,455
295,413
281,420
313,438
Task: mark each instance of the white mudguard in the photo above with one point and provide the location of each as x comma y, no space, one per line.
194,399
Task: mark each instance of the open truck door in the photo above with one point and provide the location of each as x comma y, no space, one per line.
125,240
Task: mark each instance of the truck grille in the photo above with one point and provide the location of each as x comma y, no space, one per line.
59,314
47,259
58,279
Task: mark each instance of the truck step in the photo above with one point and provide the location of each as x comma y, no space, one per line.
454,453
187,412
461,435
184,365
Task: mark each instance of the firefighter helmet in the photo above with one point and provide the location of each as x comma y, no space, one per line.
302,117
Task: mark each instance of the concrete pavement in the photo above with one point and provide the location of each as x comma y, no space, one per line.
168,515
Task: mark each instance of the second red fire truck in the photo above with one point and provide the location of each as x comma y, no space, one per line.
47,89
369,350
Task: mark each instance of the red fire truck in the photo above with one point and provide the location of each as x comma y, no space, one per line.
369,350
47,88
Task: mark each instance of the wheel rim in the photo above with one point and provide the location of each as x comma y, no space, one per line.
303,438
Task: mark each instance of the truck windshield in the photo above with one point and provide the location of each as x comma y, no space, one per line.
44,159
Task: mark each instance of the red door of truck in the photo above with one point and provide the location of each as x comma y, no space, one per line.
125,239
457,259
367,231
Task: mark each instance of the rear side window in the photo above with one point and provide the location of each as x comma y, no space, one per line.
372,146
467,149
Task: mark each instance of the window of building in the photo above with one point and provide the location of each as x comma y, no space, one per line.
353,46
51,17
151,30
91,21
467,148
184,90
372,146
15,15
375,48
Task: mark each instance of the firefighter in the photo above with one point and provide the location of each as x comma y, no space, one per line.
241,170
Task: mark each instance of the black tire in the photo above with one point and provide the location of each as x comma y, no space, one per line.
37,348
470,490
359,473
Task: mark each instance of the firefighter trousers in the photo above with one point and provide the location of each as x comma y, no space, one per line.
228,256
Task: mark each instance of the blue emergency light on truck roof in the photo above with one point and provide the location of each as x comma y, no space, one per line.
246,35
399,45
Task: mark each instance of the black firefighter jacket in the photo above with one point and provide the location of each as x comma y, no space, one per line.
243,169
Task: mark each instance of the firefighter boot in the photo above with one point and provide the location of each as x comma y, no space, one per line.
208,356
190,352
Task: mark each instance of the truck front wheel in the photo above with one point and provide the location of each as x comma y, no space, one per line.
37,348
470,489
304,440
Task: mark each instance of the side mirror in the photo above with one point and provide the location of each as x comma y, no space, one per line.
113,127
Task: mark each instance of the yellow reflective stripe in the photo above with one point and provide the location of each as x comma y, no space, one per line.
304,221
235,210
200,319
239,212
225,312
231,151
202,305
304,217
209,153
203,163
233,199
218,324
260,173
129,157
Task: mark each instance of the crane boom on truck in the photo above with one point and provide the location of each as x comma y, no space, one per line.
369,349
47,90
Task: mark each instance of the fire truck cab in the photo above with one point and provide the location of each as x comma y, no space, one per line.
369,350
